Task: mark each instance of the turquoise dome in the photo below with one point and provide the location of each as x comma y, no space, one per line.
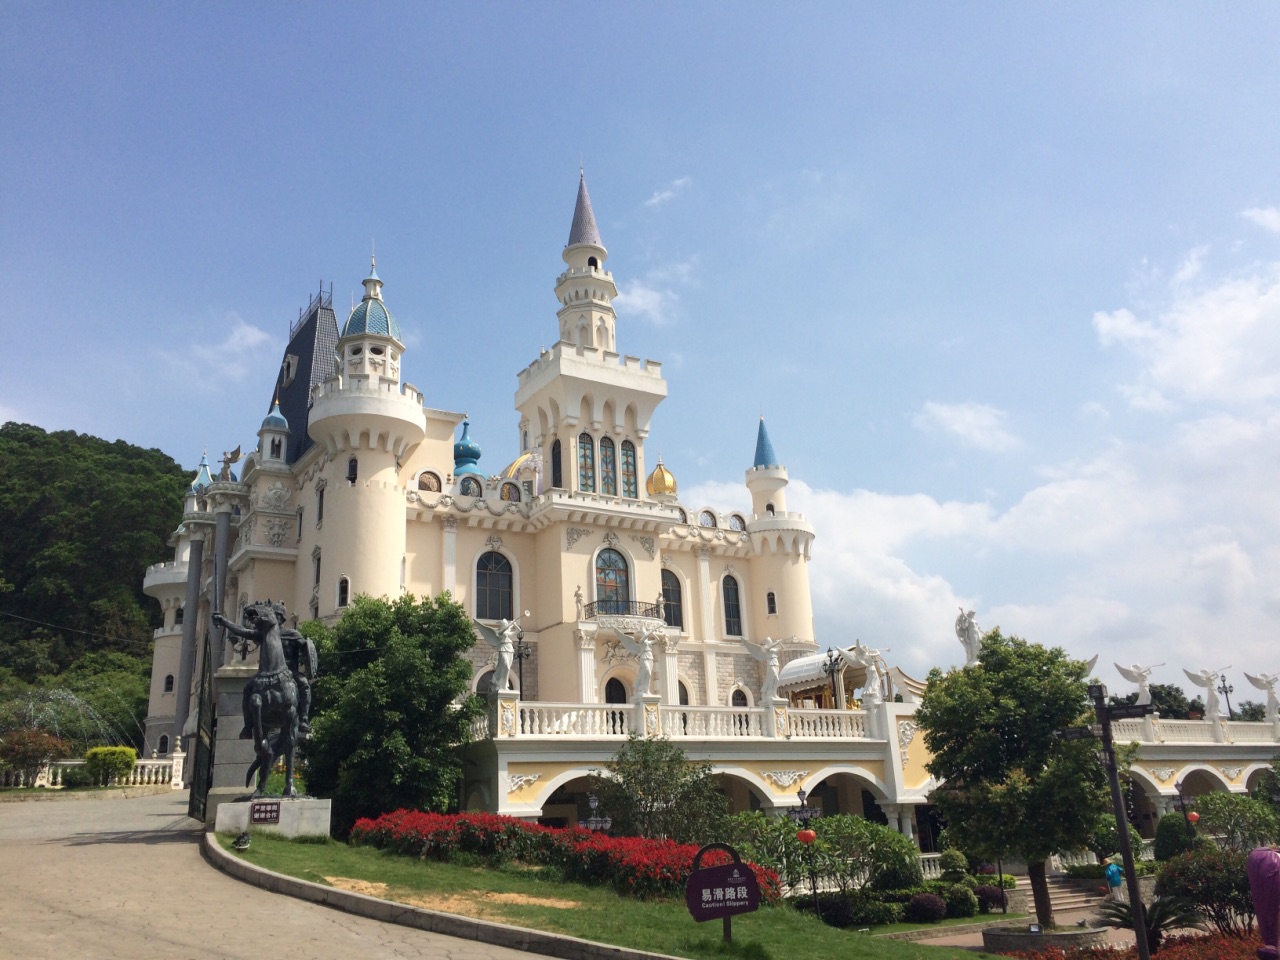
371,316
203,478
466,452
275,419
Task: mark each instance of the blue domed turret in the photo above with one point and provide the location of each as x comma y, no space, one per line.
275,419
203,477
466,453
371,314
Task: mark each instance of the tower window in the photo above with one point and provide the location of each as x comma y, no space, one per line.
168,683
275,448
739,698
630,481
429,482
613,583
614,691
344,592
586,463
771,603
315,582
470,487
319,507
510,493
768,508
162,747
177,616
494,587
608,468
593,262
557,475
732,608
352,470
299,537
672,600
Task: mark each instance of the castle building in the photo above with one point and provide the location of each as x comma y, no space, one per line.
640,611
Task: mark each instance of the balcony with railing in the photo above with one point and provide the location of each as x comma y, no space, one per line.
621,608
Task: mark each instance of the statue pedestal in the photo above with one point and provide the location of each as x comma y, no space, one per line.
287,816
647,721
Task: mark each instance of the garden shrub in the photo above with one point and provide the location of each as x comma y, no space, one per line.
873,912
1216,881
960,901
898,876
989,897
851,910
29,749
954,864
925,908
106,764
73,777
1097,871
1174,835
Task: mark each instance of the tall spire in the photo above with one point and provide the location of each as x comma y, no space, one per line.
584,228
765,457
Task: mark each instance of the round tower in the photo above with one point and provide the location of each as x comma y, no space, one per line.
783,543
368,424
586,289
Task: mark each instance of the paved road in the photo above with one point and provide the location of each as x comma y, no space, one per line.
109,879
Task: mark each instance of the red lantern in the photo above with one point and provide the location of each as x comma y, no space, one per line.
806,836
1193,817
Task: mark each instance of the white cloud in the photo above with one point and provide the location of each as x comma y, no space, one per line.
1191,266
8,413
668,192
1268,218
244,352
975,424
654,296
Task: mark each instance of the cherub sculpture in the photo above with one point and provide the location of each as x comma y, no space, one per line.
1141,676
1267,682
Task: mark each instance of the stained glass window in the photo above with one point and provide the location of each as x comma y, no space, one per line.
608,469
511,493
494,599
732,608
470,487
557,476
672,600
630,484
429,482
613,586
586,464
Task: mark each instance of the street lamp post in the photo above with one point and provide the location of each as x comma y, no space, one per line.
1226,690
831,667
521,653
802,815
596,822
1189,816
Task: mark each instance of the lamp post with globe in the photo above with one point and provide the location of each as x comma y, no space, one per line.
801,815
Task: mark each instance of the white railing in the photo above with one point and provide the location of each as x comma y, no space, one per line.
576,719
1125,731
480,727
1242,731
719,722
1184,731
827,724
144,773
931,865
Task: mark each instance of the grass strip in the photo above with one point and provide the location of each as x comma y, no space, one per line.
540,899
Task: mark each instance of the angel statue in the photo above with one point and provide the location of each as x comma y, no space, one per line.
767,653
504,641
1206,680
1141,676
1267,682
642,647
969,635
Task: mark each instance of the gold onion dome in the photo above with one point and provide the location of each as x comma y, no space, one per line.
661,482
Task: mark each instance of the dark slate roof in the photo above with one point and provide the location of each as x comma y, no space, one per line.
313,340
584,228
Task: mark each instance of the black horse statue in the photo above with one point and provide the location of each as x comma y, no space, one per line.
270,698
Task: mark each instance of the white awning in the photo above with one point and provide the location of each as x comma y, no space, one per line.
804,673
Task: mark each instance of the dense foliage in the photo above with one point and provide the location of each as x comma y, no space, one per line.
632,865
1174,835
109,764
390,705
1238,821
1216,881
1181,947
1161,917
1169,700
1009,783
28,749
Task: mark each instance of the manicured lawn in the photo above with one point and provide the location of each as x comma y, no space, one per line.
540,899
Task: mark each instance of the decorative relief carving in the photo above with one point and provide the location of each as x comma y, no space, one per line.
494,542
574,534
651,726
611,538
906,733
730,569
784,778
276,496
704,553
518,781
586,639
647,543
781,723
614,652
1231,773
451,524
506,719
277,531
1162,773
246,532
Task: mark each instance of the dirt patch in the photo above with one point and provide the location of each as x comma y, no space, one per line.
555,902
358,886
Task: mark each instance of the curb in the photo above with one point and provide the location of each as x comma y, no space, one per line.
388,911
44,794
938,933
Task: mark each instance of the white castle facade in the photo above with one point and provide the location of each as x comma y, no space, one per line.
359,486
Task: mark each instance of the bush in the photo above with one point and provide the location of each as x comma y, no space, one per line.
30,749
960,901
1216,881
106,764
1098,871
954,865
925,908
74,777
843,910
989,898
902,875
1174,835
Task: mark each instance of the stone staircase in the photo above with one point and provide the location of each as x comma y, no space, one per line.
1067,894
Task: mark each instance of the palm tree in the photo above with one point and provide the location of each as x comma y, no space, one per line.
1163,916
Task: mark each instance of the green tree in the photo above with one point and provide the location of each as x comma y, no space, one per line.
390,707
1010,784
651,789
1216,881
1169,700
1238,821
1251,711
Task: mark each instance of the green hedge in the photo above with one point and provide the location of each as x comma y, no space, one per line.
1097,871
110,763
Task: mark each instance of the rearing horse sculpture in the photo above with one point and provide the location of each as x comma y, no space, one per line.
270,698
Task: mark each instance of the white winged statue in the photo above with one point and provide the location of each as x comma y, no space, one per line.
504,641
1205,679
643,649
1267,682
1136,673
767,653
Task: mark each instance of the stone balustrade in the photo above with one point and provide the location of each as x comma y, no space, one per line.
144,773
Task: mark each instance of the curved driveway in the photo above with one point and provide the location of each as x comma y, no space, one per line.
105,879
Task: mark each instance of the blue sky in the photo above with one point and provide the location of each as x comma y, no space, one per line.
1004,279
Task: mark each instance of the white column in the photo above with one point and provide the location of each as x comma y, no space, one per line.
449,545
670,671
586,666
708,602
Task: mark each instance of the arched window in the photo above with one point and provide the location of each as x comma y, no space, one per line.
316,564
732,608
320,506
298,538
177,617
470,487
557,475
592,262
429,482
608,467
739,699
344,592
768,508
630,483
494,593
683,693
771,602
162,747
706,519
586,463
672,600
614,691
168,683
510,493
275,448
613,583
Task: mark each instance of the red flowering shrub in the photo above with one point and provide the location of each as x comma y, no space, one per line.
633,866
1214,947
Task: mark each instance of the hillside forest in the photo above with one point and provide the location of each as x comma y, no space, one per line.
81,520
